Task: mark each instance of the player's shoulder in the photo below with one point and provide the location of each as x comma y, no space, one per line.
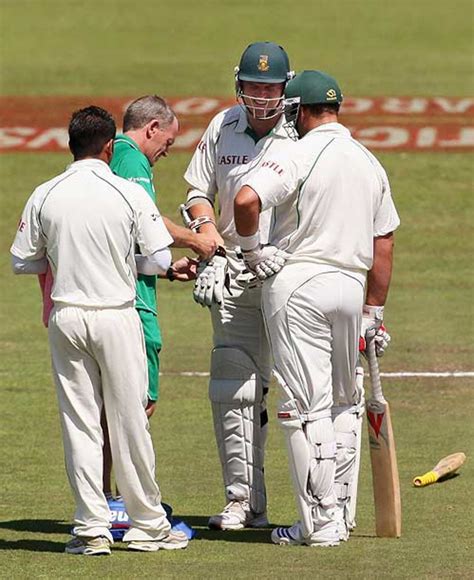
225,118
374,161
128,189
127,155
44,189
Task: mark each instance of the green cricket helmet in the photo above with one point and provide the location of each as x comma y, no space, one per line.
262,62
310,87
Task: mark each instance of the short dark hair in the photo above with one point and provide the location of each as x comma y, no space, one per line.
146,109
318,109
89,130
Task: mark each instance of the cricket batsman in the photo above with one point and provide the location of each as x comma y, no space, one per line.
327,266
235,142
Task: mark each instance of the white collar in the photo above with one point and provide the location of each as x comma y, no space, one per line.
334,128
90,163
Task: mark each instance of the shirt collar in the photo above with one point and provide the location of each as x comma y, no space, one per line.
243,124
331,128
90,163
128,140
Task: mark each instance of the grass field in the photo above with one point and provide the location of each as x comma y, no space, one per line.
373,48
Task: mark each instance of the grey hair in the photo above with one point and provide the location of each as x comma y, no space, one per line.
146,109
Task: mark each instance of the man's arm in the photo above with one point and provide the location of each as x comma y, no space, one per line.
378,279
264,261
200,207
378,283
156,263
247,211
36,266
202,244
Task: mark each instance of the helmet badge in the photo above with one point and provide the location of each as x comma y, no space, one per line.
331,95
263,65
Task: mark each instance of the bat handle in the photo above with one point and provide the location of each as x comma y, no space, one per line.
374,371
426,479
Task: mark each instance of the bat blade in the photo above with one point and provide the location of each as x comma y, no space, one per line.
386,483
445,466
386,486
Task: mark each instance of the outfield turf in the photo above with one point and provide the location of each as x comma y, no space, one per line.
185,48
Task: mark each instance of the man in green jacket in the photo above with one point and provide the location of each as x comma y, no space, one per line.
149,131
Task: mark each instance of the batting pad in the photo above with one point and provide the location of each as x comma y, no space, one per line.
311,449
236,395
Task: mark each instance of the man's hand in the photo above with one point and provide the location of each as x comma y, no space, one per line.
183,270
212,277
265,261
205,245
372,328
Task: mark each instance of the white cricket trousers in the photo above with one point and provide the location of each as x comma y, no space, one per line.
315,340
98,359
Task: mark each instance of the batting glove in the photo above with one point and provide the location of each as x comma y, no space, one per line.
372,328
212,278
265,261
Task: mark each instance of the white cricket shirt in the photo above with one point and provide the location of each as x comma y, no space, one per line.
330,198
87,222
222,161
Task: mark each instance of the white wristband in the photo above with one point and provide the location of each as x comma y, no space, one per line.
375,312
249,243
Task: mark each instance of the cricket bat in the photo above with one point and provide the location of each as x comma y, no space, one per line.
446,466
386,484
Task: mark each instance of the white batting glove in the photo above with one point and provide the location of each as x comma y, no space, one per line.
265,261
212,277
372,328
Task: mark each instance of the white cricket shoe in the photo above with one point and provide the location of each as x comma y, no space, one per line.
293,536
237,515
175,540
88,546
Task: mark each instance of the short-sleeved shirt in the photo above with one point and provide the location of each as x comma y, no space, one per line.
131,164
88,221
330,197
227,152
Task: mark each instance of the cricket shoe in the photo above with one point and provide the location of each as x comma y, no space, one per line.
175,540
293,536
88,546
237,515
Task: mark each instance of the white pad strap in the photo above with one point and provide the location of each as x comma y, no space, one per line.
236,393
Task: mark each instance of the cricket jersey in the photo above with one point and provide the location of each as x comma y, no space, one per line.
131,164
330,198
228,151
88,222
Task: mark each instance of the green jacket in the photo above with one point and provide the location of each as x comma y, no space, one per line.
130,163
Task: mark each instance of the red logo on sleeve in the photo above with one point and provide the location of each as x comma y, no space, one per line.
274,166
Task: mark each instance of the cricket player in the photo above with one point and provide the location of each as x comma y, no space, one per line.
328,264
237,140
149,131
86,223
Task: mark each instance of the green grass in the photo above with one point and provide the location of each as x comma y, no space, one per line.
374,48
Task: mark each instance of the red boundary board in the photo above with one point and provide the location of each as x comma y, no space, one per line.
33,124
